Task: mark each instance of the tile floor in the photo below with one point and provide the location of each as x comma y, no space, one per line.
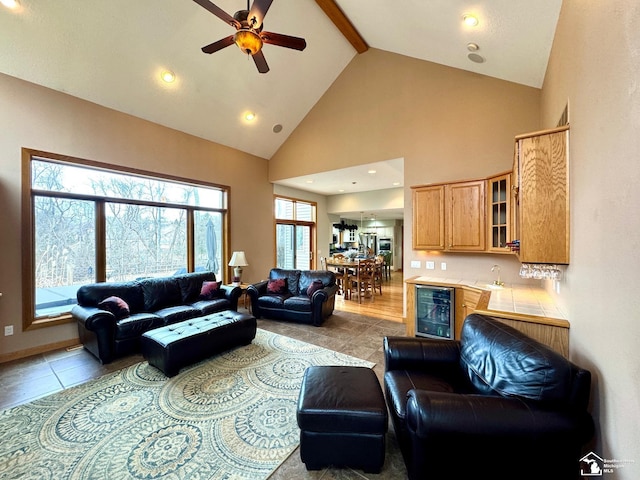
27,379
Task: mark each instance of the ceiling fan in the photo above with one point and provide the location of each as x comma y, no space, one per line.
249,35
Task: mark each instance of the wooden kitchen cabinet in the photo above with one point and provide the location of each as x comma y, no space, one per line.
465,216
541,170
499,217
428,218
468,300
449,217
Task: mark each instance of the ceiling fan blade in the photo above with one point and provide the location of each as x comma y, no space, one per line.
280,40
219,45
218,12
260,62
258,12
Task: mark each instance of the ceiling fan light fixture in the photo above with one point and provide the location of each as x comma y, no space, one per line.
248,41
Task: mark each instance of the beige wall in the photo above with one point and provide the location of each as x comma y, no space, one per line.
595,65
39,118
446,123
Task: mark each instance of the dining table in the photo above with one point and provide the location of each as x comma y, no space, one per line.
346,270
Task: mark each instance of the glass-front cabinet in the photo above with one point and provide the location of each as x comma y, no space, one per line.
499,213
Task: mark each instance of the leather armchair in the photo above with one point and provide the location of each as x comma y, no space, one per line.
496,401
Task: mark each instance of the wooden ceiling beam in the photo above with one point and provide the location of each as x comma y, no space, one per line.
343,24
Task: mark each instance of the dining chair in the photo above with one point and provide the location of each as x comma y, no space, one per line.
343,277
363,282
378,273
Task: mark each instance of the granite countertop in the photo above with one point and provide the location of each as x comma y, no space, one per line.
511,298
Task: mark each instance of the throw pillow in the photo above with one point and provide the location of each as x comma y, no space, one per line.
209,290
115,305
279,285
316,285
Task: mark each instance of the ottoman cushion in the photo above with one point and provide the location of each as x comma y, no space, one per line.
342,417
341,399
175,346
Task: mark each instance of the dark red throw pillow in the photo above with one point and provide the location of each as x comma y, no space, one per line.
209,290
115,305
279,285
316,285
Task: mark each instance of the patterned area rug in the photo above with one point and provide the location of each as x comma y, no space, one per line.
230,417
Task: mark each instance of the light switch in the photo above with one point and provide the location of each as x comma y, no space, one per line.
443,266
431,265
415,263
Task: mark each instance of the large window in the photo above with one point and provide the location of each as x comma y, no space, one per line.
295,233
88,223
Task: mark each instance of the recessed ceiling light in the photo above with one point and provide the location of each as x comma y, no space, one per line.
371,171
473,47
309,181
12,4
249,116
470,20
168,76
396,184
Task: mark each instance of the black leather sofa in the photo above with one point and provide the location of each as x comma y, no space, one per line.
151,303
294,303
496,402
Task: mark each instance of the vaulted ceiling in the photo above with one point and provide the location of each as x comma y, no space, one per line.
113,52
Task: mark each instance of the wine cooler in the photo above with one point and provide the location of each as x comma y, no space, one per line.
435,311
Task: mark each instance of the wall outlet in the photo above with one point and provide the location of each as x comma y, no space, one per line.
443,265
431,265
415,263
8,330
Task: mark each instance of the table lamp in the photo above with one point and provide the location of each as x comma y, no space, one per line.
238,260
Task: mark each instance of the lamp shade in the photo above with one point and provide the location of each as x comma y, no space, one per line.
238,259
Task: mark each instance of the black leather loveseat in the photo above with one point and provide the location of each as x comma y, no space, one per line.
111,317
496,402
296,297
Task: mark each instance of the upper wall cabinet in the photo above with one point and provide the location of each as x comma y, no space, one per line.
428,218
449,217
541,170
499,216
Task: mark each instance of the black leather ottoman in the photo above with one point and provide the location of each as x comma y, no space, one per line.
175,346
342,417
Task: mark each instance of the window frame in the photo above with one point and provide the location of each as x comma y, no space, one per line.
313,225
29,319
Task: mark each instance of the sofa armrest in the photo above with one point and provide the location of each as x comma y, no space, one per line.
478,417
421,354
259,288
323,294
93,318
231,293
255,291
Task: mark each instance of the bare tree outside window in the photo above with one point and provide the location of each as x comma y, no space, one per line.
145,223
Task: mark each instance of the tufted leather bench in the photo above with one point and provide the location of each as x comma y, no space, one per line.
175,346
343,418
